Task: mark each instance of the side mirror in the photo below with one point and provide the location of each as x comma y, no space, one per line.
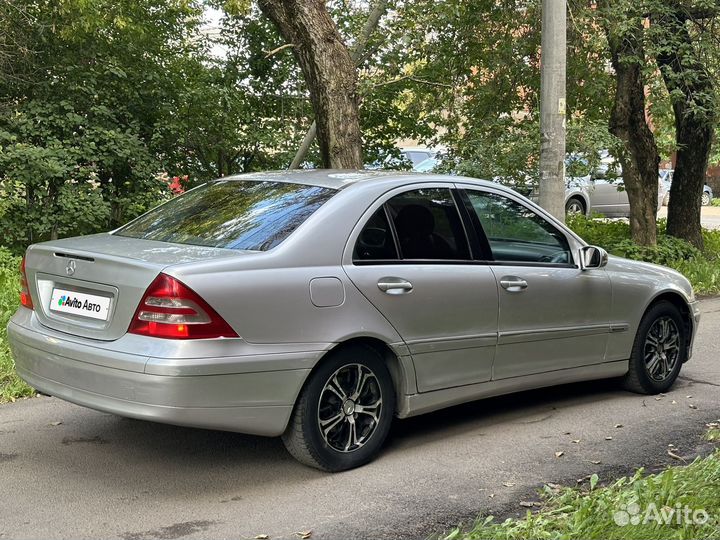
599,174
592,257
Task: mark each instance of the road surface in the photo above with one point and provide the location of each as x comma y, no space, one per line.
95,475
709,216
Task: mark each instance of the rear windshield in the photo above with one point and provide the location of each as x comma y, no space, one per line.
231,214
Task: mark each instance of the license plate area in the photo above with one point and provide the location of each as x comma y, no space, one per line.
80,304
67,321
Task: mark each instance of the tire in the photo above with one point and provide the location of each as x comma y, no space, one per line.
575,206
658,373
321,401
705,199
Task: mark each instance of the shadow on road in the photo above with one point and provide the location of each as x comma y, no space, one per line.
105,448
533,406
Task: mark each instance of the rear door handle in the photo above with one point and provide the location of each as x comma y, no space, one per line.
394,285
513,283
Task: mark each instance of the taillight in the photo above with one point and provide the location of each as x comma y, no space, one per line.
25,298
172,310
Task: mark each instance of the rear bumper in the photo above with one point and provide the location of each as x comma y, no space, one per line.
222,397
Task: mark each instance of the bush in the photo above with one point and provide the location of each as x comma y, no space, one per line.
667,251
702,268
11,386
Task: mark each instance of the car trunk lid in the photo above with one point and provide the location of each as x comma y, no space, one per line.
91,286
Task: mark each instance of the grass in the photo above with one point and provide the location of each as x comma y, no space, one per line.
656,503
713,432
11,386
702,268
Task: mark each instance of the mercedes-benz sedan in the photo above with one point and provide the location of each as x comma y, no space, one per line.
319,305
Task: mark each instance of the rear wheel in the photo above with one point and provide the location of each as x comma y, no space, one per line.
574,206
659,350
344,413
705,199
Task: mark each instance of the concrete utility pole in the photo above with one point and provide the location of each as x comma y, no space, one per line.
552,108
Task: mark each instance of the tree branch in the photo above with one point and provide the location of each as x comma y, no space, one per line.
276,50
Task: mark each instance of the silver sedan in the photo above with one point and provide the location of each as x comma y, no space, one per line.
319,305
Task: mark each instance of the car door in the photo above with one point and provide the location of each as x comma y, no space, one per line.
607,193
411,258
552,314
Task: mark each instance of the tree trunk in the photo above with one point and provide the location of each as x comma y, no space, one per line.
687,78
373,19
329,73
628,122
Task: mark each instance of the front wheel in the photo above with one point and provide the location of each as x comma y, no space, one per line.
574,206
705,199
659,350
344,412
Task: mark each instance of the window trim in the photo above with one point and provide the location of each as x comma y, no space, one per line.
475,221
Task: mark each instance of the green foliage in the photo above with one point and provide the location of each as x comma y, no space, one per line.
11,386
667,251
700,267
591,514
75,132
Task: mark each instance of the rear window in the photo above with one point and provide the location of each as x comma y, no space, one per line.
231,214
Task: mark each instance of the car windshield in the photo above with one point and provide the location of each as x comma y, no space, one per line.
232,214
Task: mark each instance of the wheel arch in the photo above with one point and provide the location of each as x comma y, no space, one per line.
401,368
580,196
402,371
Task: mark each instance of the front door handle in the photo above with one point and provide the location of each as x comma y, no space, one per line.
513,283
394,285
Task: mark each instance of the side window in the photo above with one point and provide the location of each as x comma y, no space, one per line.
428,225
376,240
516,233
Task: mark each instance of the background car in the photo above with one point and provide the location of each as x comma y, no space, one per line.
410,158
666,176
602,192
319,305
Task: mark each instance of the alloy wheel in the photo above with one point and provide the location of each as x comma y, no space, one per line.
349,407
662,348
574,207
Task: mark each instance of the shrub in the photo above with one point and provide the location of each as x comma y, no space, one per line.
702,268
667,251
11,386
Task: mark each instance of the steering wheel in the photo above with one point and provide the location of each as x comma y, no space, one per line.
558,257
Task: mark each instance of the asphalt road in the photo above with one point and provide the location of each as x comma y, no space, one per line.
99,476
709,216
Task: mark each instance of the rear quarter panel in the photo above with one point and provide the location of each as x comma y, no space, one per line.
266,297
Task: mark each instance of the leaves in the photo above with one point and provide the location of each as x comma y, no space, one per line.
593,481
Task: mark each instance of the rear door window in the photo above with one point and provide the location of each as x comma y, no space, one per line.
232,214
428,225
376,241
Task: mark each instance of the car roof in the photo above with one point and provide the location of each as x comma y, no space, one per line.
343,178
